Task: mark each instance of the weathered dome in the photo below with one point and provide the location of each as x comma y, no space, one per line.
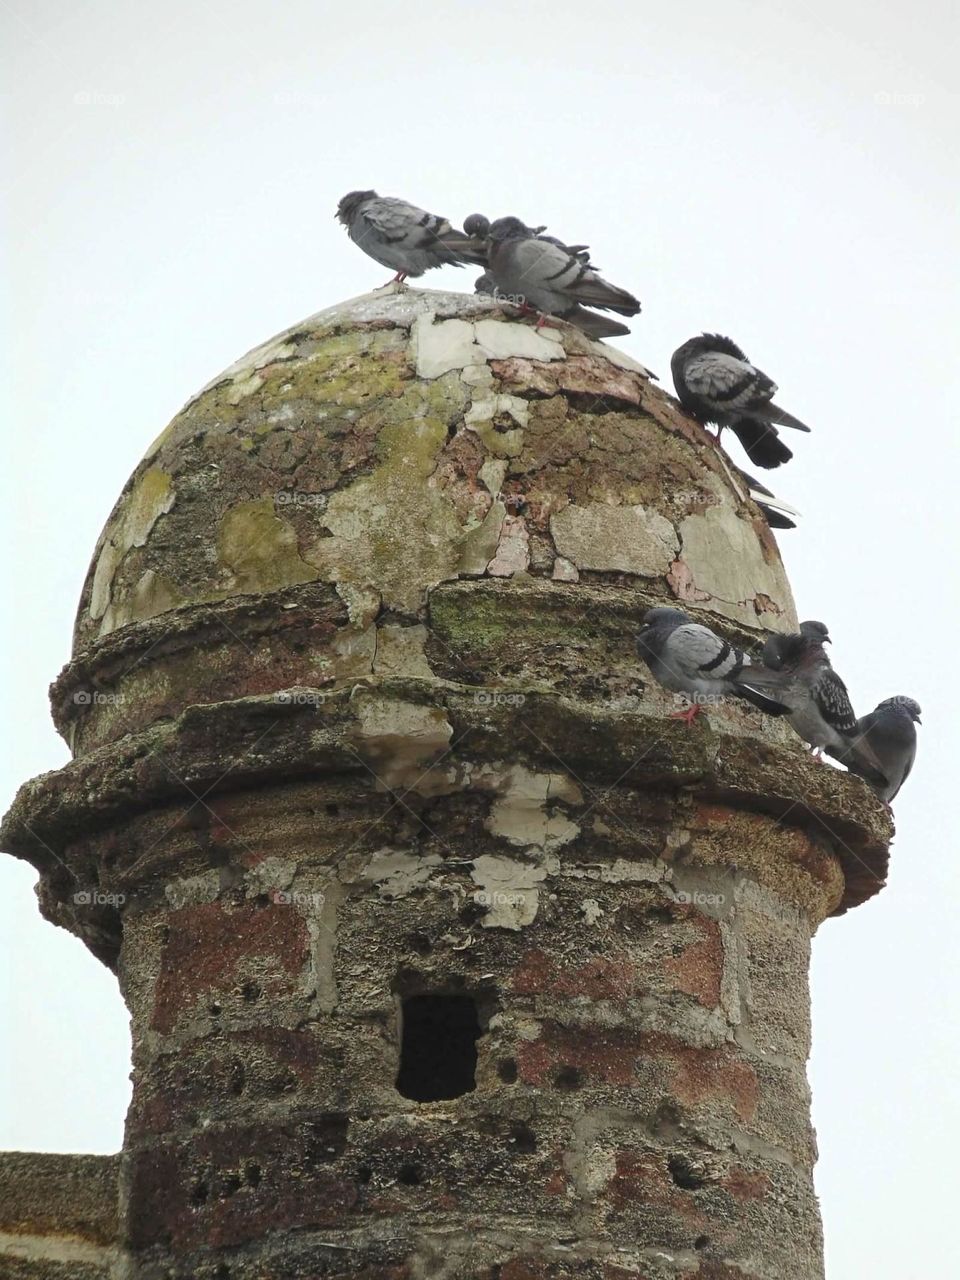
344,470
447,951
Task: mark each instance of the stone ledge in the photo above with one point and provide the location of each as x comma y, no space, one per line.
259,741
45,1194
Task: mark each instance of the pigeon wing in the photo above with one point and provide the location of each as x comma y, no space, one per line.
728,383
700,654
550,267
833,702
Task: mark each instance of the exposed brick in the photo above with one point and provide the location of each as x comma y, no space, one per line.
211,1074
699,968
212,947
600,978
235,1185
569,1057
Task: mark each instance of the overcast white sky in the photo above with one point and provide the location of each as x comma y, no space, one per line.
784,173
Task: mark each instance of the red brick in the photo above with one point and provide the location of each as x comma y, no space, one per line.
212,947
600,1055
601,978
699,968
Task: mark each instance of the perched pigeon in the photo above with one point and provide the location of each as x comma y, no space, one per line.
403,237
889,733
783,650
777,512
477,226
797,671
715,382
538,275
691,659
595,326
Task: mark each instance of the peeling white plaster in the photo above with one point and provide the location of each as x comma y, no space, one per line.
622,539
621,871
487,408
151,497
440,347
513,549
363,603
443,345
492,474
591,910
564,571
397,873
509,889
501,340
240,390
399,739
519,814
400,652
725,561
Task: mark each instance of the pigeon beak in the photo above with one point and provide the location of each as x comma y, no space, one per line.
918,720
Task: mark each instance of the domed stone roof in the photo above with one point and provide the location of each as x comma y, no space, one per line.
383,447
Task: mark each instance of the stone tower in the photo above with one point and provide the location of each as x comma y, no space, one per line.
448,955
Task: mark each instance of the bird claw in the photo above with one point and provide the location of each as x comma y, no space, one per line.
689,715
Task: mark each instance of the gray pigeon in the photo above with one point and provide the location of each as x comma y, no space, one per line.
889,733
539,275
595,326
399,235
477,226
781,650
797,671
715,382
689,658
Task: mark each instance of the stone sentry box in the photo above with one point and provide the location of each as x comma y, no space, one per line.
447,953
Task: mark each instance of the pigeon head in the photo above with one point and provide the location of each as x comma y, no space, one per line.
476,225
350,203
901,706
509,229
704,343
816,631
664,617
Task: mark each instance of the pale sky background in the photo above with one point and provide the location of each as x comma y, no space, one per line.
780,172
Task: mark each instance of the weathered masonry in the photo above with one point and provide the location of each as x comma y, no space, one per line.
447,953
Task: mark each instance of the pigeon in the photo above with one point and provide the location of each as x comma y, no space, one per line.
477,226
716,383
797,671
403,237
781,650
689,658
539,275
777,512
889,733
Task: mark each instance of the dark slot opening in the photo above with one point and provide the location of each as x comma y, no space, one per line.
438,1051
